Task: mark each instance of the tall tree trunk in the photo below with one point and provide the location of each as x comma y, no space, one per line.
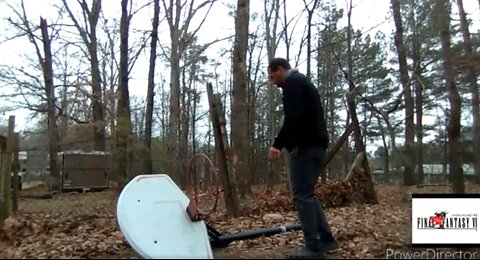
240,94
184,129
173,12
359,144
164,115
254,70
416,45
309,35
180,39
97,102
455,151
419,126
285,30
386,157
330,93
151,89
323,174
63,131
346,149
89,37
472,79
271,39
409,111
194,122
123,108
111,100
349,43
445,155
47,67
174,115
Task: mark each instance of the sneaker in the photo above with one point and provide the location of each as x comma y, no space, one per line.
306,253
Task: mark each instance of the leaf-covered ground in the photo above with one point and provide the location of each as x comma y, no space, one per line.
84,226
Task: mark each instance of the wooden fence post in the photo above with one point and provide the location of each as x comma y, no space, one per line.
7,168
15,170
2,160
228,191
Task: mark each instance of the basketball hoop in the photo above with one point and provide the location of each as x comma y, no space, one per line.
202,193
151,216
159,221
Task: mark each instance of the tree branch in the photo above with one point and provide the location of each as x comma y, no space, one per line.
201,50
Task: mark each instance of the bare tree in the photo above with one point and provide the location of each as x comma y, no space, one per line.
409,110
350,70
442,8
180,37
123,128
287,34
271,24
110,65
151,88
52,117
285,30
88,32
309,34
418,90
45,62
472,78
240,147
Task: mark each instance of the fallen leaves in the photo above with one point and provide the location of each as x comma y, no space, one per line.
361,229
336,193
40,235
67,226
84,225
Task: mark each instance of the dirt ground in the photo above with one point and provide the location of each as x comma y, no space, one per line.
83,225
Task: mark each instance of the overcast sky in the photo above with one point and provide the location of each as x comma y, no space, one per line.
367,14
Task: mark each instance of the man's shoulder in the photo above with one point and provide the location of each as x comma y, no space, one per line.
298,78
296,75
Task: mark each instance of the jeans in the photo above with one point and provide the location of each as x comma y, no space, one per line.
305,165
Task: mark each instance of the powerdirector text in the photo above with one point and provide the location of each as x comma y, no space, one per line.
429,253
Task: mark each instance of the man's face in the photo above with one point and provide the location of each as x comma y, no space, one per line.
277,77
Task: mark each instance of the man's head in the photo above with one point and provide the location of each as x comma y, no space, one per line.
277,70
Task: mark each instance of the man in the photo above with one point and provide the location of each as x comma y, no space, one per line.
304,135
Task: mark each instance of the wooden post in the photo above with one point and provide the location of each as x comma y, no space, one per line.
15,169
221,118
357,133
334,149
356,163
229,193
7,168
2,160
230,157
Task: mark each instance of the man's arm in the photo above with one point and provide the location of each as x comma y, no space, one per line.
293,109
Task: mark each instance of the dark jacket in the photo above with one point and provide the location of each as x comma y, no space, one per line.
304,122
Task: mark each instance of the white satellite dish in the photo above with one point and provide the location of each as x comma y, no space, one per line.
151,213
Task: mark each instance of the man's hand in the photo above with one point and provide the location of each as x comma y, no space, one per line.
273,153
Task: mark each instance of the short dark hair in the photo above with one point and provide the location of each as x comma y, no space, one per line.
277,63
